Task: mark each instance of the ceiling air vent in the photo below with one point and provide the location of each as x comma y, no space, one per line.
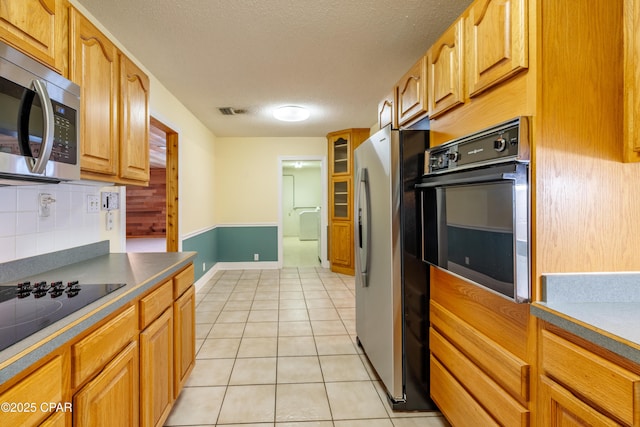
229,111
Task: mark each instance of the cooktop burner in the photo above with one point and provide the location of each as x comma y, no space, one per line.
27,307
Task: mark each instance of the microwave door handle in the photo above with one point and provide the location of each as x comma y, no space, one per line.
38,165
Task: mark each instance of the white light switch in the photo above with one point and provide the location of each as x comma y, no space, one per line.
93,203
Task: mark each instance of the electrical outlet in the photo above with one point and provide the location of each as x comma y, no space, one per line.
256,257
93,203
204,266
46,200
109,220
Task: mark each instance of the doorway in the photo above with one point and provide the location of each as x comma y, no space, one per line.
152,212
302,225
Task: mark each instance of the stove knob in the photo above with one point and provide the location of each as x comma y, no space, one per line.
24,287
453,156
56,286
500,144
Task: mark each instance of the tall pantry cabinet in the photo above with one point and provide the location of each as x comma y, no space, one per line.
341,184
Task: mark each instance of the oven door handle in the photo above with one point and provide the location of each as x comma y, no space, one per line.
440,181
363,235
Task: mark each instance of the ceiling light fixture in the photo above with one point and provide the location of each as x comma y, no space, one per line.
291,113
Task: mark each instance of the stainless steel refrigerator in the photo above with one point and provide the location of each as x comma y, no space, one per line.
392,289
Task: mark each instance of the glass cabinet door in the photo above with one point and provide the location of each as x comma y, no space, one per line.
340,158
341,199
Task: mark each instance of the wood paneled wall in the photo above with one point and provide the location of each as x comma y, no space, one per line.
147,207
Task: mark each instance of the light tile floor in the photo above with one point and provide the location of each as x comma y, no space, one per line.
277,348
300,253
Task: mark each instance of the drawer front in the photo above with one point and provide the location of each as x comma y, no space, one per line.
453,400
590,376
93,352
182,281
489,394
154,304
502,366
44,385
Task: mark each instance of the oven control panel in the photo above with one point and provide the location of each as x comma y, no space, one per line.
506,142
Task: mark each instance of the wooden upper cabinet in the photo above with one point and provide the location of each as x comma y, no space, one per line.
497,42
36,27
95,67
446,71
387,111
134,122
114,120
412,93
631,81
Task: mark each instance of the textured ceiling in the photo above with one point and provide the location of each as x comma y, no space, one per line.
339,58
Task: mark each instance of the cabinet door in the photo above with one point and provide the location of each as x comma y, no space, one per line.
497,42
446,71
632,81
184,354
341,199
35,27
112,397
387,111
48,384
156,370
95,67
134,123
560,408
341,244
412,93
340,154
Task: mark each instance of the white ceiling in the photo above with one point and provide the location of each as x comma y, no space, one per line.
339,58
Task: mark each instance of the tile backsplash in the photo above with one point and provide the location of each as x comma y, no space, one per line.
24,232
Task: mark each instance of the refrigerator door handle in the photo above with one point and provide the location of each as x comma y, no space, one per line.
364,225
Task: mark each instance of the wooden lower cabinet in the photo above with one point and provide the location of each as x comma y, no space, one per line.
579,385
480,373
46,384
341,241
126,371
466,365
112,397
561,408
184,321
454,401
156,370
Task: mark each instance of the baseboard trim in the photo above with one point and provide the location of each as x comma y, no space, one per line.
220,266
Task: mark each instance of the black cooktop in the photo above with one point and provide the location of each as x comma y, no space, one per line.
26,308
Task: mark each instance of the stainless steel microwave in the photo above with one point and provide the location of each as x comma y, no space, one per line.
39,122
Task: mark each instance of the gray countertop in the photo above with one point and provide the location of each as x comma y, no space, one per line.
140,272
603,308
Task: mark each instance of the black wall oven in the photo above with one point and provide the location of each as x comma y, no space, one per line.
476,209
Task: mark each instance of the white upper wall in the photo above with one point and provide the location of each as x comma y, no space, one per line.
247,172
